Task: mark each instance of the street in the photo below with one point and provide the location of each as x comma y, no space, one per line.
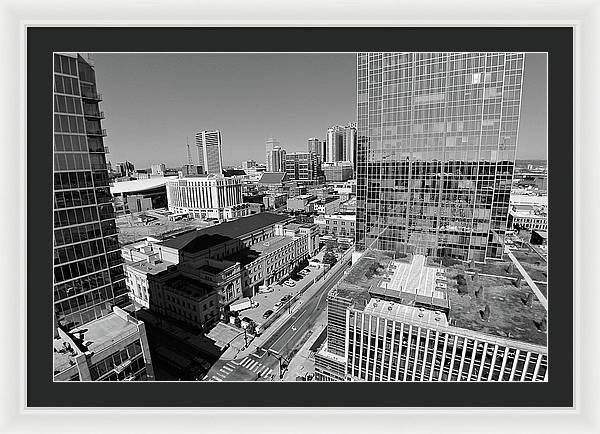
264,363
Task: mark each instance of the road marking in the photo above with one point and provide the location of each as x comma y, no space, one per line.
252,365
226,368
216,378
221,374
266,371
305,321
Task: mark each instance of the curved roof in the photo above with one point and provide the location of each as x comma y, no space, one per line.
140,184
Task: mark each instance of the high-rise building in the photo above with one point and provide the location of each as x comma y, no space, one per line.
341,143
301,166
89,279
270,145
317,147
437,136
275,156
209,151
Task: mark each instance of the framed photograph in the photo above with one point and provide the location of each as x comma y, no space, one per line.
302,223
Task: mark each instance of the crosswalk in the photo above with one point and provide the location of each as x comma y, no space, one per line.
248,363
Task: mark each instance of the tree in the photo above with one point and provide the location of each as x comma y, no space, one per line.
251,328
462,284
329,258
237,321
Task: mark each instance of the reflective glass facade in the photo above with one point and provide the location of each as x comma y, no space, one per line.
88,268
437,138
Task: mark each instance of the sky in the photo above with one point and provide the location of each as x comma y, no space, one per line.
154,102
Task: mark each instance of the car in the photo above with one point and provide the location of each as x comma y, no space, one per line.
267,314
285,298
289,283
277,305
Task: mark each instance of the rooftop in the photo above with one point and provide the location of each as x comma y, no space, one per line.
245,225
191,241
417,285
139,185
271,244
93,336
272,178
148,267
189,286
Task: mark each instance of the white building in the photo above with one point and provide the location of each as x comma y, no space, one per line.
158,169
213,196
209,151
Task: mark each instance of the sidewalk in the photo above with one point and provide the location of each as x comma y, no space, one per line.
302,364
233,353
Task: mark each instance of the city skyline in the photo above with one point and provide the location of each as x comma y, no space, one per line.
242,95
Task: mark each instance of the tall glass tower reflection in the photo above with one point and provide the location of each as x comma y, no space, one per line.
437,138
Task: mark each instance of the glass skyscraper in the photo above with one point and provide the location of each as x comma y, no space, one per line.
437,138
88,269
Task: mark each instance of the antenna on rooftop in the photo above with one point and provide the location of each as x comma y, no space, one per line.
187,144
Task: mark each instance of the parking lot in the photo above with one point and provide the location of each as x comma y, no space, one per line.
266,301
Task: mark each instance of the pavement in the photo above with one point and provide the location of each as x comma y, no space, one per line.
303,362
281,339
266,301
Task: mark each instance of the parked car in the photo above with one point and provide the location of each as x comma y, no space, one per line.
277,305
289,283
267,314
285,298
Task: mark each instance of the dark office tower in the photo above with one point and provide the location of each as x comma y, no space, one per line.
301,166
437,137
317,147
209,151
88,269
94,339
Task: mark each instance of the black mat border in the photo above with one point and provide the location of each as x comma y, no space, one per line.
42,41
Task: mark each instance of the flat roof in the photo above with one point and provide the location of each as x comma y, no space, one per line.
271,244
245,225
139,185
149,268
189,286
510,317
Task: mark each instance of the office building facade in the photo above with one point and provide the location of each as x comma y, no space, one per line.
94,340
301,166
407,322
88,270
341,143
276,160
212,196
210,151
437,137
317,147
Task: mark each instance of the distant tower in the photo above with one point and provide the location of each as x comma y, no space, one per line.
189,153
270,145
209,151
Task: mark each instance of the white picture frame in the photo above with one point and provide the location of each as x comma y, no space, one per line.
583,15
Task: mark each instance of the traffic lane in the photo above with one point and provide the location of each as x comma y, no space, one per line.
300,326
300,323
286,328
